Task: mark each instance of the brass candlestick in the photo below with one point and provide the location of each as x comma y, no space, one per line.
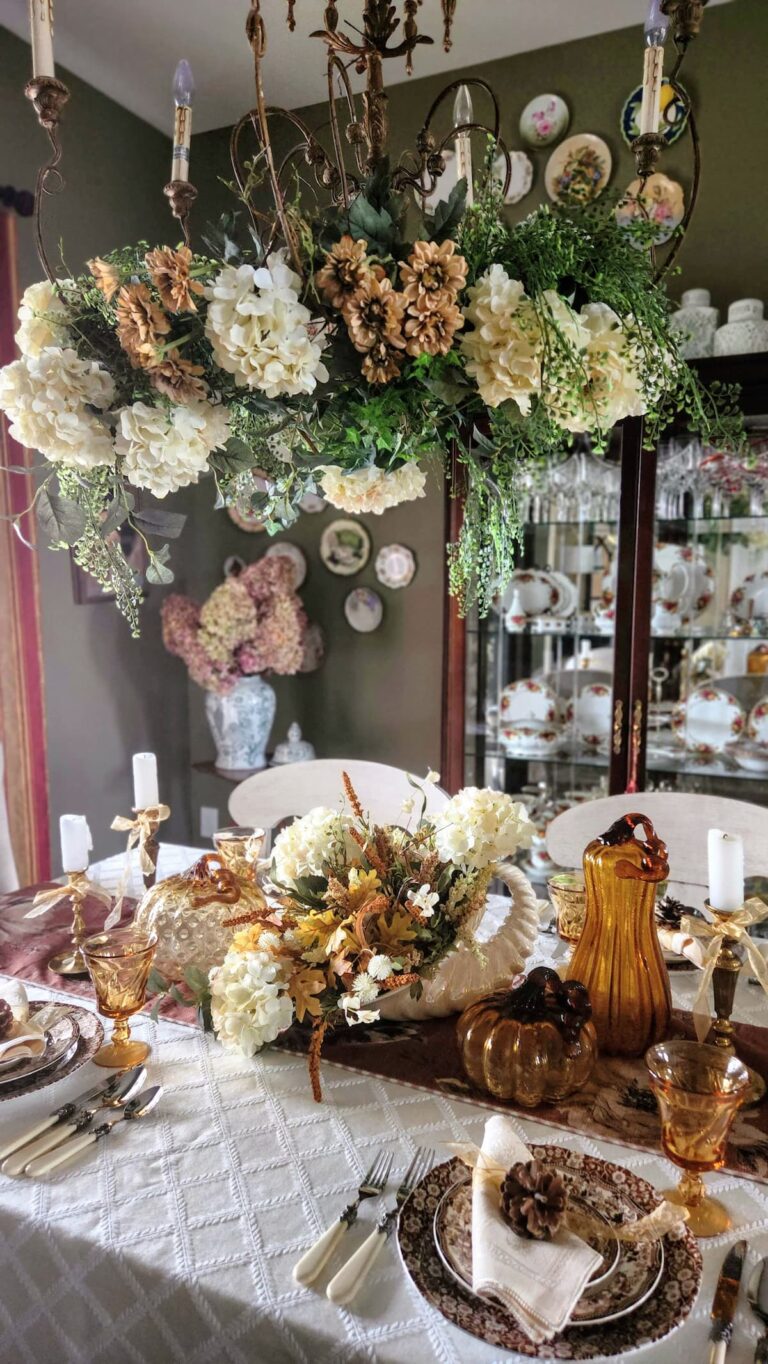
647,149
151,849
724,979
72,962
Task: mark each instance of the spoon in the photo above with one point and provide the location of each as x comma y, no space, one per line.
134,1109
757,1297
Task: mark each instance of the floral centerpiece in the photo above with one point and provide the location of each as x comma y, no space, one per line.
346,369
250,625
359,910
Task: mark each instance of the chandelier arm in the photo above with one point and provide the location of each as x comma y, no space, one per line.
237,170
48,95
696,148
448,90
257,38
335,130
356,138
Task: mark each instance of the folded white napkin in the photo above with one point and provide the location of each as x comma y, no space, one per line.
683,945
539,1282
28,1040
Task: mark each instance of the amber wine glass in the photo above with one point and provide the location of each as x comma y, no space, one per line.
118,963
699,1089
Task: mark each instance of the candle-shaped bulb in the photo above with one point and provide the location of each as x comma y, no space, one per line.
41,33
76,842
184,84
462,107
726,870
656,25
145,789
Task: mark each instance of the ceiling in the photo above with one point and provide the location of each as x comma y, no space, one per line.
129,48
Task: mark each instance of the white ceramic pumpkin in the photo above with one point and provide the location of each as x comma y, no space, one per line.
505,934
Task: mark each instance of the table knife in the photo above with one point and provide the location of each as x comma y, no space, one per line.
106,1089
724,1303
135,1108
128,1084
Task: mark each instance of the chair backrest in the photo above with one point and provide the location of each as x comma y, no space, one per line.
680,818
278,793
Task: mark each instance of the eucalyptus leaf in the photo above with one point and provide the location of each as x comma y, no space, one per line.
158,521
157,570
116,512
235,459
60,518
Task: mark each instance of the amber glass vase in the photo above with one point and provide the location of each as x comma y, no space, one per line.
618,956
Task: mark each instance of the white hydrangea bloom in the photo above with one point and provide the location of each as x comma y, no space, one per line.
503,352
163,448
45,397
309,845
371,489
40,308
250,1005
611,387
478,827
260,332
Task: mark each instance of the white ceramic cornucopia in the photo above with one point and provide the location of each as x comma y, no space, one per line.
504,934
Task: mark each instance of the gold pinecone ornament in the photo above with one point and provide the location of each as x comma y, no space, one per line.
533,1200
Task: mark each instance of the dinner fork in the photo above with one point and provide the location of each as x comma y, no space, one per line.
373,1182
352,1275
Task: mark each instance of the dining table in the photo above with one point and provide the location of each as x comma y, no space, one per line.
177,1239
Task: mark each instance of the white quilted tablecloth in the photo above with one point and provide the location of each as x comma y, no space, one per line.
176,1239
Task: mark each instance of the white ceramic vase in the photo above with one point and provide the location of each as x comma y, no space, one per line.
240,723
746,330
506,932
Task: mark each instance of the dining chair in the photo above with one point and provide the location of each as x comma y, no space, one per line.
9,878
680,818
268,798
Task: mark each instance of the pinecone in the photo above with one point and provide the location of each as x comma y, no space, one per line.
533,1200
6,1019
669,912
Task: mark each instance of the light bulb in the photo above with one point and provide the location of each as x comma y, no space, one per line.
462,107
656,25
183,84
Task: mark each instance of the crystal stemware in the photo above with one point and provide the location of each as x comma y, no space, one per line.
699,1089
119,963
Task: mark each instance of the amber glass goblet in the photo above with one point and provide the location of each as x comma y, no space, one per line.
118,963
699,1089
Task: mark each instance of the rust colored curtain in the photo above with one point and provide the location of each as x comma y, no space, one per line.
22,703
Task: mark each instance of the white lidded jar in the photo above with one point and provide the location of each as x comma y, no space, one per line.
745,331
695,324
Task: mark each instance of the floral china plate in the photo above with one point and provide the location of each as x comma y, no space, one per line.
297,557
578,170
757,725
395,566
527,699
750,599
660,202
245,518
673,115
627,1275
590,714
651,1320
521,175
345,547
682,579
750,757
530,739
364,610
708,721
544,120
540,593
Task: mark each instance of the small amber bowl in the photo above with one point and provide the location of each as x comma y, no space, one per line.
569,897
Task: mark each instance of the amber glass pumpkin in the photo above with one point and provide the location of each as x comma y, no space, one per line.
195,914
533,1044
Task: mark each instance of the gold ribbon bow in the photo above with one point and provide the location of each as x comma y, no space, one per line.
734,928
77,889
140,830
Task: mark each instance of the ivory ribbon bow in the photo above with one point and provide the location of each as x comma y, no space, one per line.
140,830
78,889
735,928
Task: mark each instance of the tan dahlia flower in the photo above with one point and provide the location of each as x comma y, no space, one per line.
169,272
179,379
433,272
106,276
382,363
140,325
430,327
374,314
344,271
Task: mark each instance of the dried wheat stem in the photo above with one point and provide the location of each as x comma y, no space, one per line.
315,1047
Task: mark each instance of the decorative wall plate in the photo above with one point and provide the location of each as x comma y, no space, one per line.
652,1320
245,519
521,177
312,503
297,557
314,648
661,203
672,118
540,593
757,724
364,610
579,169
750,599
709,720
544,120
682,578
527,699
590,713
395,566
345,547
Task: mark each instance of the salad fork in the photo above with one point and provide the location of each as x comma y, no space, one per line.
374,1182
352,1275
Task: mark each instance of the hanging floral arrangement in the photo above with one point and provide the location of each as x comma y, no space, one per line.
160,366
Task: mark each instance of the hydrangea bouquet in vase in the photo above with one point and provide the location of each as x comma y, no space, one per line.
250,625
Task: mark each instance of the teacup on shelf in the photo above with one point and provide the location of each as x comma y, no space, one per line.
666,619
530,739
605,619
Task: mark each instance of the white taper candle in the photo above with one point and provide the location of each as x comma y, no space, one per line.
725,853
41,32
76,842
145,788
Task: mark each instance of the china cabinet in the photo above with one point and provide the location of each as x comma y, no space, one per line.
630,652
